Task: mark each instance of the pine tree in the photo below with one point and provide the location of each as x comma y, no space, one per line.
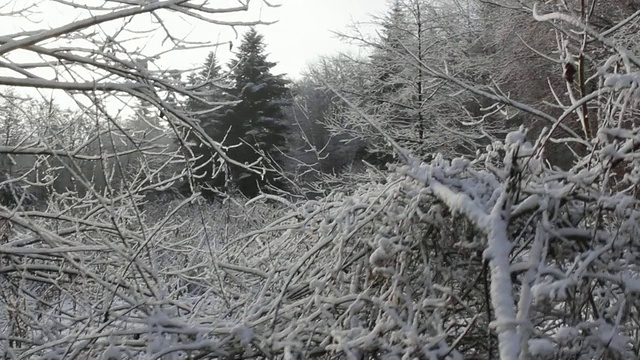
255,126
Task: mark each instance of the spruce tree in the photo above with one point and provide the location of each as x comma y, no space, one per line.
255,126
251,127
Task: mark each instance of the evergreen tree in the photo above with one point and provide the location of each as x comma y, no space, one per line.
412,106
209,84
209,89
255,127
394,89
386,68
252,129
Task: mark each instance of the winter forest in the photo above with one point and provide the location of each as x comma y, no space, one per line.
466,187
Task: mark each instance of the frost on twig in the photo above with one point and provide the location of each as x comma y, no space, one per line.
415,259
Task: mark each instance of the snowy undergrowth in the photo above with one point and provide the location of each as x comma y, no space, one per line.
500,256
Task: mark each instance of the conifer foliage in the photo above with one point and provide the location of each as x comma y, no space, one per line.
251,125
207,107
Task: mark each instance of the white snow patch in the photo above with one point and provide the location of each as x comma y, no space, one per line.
244,334
566,334
541,347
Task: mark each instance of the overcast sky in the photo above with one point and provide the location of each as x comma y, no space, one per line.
301,34
303,31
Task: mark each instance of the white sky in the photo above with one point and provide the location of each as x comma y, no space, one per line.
302,33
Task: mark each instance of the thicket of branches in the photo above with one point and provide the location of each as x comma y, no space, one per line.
496,255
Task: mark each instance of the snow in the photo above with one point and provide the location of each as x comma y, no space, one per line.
502,300
515,137
541,347
253,88
531,202
112,353
565,334
243,333
631,283
621,81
